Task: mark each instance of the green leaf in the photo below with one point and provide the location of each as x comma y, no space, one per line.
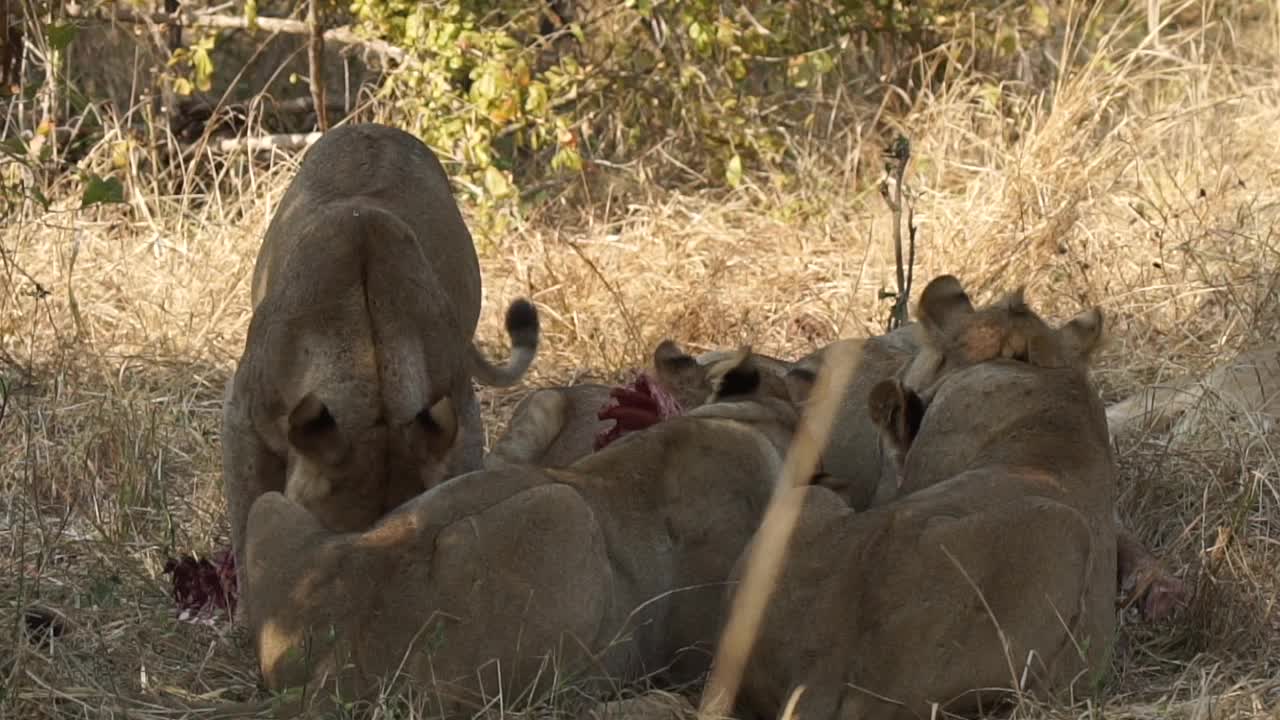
566,158
1007,41
415,27
203,65
61,34
822,62
990,94
102,190
1040,17
800,71
536,101
700,36
14,148
726,32
484,85
495,183
733,171
251,14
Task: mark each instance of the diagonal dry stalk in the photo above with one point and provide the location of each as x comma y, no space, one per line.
770,544
1083,183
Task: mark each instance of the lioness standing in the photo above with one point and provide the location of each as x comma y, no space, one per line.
354,390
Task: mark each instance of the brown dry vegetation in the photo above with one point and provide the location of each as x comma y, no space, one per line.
1145,182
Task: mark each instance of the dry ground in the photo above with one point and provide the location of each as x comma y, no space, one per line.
1146,182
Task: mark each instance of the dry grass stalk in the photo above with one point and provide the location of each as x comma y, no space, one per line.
1090,192
764,561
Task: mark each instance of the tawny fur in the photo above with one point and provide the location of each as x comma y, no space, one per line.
354,391
1249,385
557,426
615,565
897,409
860,463
1013,481
551,427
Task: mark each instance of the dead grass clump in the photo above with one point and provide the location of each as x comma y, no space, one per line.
1207,505
1143,180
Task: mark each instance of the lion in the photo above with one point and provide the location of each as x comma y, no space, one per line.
1141,578
557,424
1005,329
555,427
860,462
614,565
1002,556
1248,385
854,453
953,335
354,391
551,427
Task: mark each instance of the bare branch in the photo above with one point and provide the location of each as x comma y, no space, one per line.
315,60
341,35
894,192
203,109
288,141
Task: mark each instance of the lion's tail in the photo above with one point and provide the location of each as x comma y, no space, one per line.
522,327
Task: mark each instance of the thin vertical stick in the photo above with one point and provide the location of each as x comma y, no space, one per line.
770,543
10,44
1153,21
895,198
171,8
315,56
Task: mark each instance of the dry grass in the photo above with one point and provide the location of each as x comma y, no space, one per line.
1144,182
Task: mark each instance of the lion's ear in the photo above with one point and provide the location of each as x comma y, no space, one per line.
680,374
800,382
897,411
1015,301
735,376
440,423
884,401
313,431
943,304
669,356
673,365
1082,335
